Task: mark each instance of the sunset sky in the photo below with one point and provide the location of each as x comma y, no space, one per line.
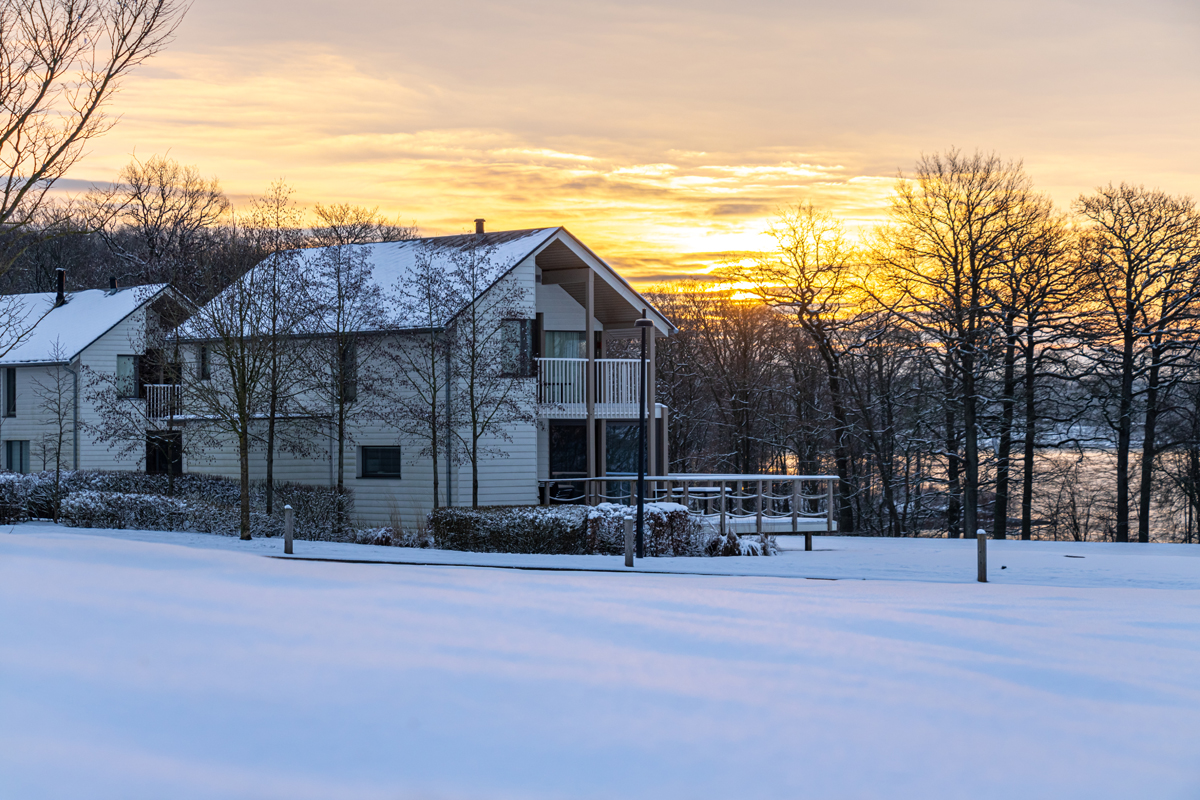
665,134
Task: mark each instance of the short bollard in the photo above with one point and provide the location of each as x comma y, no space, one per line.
981,541
808,540
289,520
629,541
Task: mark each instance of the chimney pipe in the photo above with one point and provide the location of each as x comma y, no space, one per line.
61,278
112,284
479,226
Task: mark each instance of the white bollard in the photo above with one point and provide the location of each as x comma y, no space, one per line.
289,519
981,541
629,541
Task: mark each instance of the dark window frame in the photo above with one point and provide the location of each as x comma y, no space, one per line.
525,362
136,385
365,459
164,452
205,364
10,391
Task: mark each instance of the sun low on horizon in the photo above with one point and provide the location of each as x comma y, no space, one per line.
666,135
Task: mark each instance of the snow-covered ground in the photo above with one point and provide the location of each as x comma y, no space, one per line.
155,665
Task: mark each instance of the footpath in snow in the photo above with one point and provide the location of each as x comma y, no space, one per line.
150,665
1011,561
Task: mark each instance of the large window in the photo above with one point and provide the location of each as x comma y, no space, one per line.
164,452
10,392
16,455
349,370
517,357
381,462
127,376
566,344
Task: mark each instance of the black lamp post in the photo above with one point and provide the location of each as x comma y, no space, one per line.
644,324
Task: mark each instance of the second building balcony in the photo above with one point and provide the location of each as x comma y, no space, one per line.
562,388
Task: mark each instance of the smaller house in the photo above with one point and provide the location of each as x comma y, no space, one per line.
57,342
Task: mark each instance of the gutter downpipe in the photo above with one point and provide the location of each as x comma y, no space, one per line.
75,416
449,435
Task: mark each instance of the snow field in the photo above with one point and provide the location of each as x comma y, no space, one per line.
134,668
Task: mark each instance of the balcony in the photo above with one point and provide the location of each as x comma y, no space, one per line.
163,400
562,388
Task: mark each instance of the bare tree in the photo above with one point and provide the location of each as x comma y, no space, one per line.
490,353
228,395
55,395
809,277
61,62
275,226
157,220
1142,255
425,301
949,236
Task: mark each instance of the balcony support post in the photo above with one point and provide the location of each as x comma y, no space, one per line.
652,423
589,383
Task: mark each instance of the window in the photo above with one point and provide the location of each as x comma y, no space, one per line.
566,344
381,462
349,370
205,366
127,376
517,355
10,392
16,455
164,453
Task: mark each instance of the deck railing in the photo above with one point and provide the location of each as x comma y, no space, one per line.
562,386
163,400
740,503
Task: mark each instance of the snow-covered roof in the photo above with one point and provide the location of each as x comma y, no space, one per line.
393,264
80,321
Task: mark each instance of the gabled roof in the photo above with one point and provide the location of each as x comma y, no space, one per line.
393,263
73,326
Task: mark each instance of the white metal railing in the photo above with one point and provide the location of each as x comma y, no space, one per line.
762,503
562,382
163,400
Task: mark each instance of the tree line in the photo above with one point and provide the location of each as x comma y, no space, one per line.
979,359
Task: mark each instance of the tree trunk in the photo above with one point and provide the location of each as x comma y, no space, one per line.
841,455
244,464
1124,426
1030,438
1149,432
1004,450
953,488
970,450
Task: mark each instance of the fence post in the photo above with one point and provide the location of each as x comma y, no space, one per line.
289,520
722,508
629,541
829,505
758,515
981,541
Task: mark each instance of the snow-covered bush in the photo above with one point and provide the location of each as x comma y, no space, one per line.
15,489
392,537
733,545
89,509
670,530
511,529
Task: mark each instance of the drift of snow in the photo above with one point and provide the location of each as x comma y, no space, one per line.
132,668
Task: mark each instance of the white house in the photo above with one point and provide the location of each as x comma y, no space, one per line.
55,343
572,306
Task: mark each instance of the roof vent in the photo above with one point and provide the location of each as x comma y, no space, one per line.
60,276
479,226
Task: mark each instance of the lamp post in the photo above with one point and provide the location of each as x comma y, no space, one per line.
644,324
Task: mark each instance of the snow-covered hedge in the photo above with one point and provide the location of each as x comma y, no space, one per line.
510,529
581,530
670,530
89,509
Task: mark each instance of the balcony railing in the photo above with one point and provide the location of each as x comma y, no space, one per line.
163,400
562,387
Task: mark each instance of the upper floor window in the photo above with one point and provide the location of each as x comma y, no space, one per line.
127,376
516,358
205,364
566,344
10,392
348,370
